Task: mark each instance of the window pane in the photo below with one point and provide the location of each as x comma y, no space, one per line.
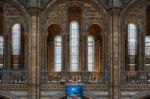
16,33
74,46
58,53
1,45
147,46
132,39
90,53
1,51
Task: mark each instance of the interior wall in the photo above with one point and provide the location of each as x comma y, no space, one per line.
1,20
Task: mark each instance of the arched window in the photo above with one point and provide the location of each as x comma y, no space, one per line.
90,43
16,39
147,50
58,53
74,46
132,39
147,46
16,45
132,45
1,51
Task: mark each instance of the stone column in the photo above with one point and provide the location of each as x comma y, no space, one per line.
104,57
84,52
65,53
114,48
34,50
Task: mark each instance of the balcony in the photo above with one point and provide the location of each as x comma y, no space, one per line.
74,77
135,77
13,76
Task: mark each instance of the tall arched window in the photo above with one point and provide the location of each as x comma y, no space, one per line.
16,39
16,43
58,53
90,43
147,50
147,46
74,46
1,51
132,44
132,39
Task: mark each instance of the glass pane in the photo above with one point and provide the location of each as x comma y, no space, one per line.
90,67
16,36
90,53
74,67
132,39
147,39
58,53
74,25
74,46
1,45
147,46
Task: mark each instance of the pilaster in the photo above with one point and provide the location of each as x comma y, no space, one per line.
114,48
33,50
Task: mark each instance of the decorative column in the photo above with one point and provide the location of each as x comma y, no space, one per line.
34,50
114,49
65,52
104,65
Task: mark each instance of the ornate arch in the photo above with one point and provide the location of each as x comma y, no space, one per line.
99,6
128,8
18,6
134,6
8,94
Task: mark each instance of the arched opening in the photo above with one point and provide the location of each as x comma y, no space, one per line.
94,52
74,46
17,53
74,43
96,41
54,48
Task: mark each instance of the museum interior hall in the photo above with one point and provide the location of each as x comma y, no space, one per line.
74,49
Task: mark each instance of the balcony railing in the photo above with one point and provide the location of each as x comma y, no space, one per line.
135,77
13,76
74,77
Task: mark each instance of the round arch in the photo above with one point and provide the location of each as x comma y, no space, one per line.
129,7
53,30
127,17
19,7
98,5
8,95
16,4
95,28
